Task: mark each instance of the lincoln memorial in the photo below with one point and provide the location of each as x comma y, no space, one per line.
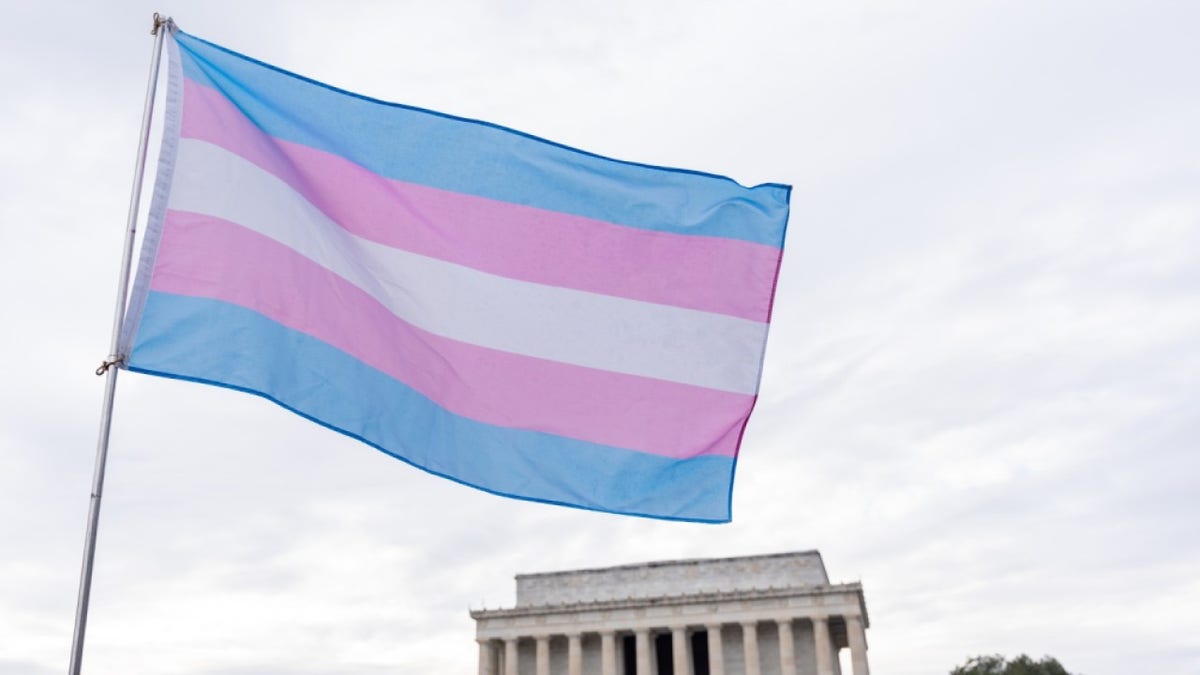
756,615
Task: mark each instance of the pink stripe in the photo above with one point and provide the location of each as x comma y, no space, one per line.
726,276
212,258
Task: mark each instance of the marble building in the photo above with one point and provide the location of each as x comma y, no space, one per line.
756,615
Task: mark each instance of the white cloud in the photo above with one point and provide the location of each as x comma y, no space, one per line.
979,395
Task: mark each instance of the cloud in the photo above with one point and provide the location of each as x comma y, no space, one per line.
979,395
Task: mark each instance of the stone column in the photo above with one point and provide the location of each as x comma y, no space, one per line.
750,648
642,641
679,652
608,653
487,658
716,650
787,648
824,645
543,655
510,657
574,655
857,638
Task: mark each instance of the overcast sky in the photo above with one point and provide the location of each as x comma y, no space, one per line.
980,395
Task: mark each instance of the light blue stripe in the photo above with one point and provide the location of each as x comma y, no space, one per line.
219,343
486,160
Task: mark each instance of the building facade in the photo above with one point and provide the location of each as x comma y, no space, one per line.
757,615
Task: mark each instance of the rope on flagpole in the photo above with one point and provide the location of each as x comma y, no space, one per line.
108,363
160,21
110,382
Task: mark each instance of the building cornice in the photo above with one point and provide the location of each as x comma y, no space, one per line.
677,600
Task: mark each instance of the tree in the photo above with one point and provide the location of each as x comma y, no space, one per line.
998,665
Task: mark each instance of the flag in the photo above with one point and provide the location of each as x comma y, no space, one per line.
511,313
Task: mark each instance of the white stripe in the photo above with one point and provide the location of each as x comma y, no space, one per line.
570,326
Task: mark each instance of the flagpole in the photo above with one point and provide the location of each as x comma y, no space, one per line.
161,26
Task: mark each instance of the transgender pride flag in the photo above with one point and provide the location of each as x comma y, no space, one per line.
510,313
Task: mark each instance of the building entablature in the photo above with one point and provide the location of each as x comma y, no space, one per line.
831,601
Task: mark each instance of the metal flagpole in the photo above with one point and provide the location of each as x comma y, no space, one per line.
161,26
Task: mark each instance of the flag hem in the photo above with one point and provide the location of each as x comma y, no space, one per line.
168,152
